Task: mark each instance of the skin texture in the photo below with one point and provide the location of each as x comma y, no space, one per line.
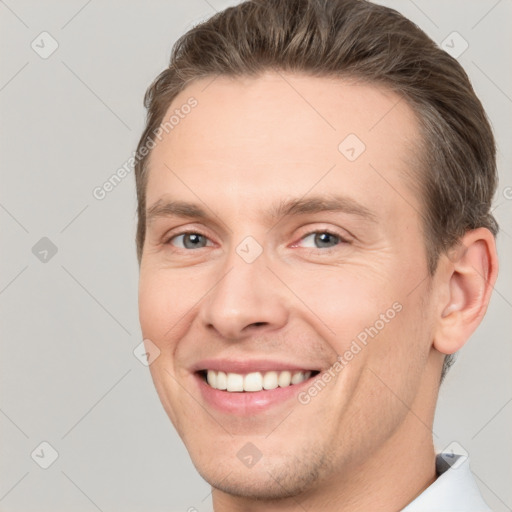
365,440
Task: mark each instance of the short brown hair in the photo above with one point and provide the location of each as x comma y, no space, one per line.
351,39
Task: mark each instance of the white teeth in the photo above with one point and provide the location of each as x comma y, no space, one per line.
235,382
222,380
211,378
297,377
284,379
255,381
270,380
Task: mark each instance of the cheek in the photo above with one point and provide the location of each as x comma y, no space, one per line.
165,298
398,354
373,314
344,301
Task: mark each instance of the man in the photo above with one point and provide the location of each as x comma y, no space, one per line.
315,242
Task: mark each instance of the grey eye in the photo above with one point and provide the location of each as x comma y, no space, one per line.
190,241
321,239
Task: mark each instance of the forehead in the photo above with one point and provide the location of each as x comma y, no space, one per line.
284,134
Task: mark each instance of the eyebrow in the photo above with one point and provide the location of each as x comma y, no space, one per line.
283,208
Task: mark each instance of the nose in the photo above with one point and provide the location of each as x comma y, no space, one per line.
247,299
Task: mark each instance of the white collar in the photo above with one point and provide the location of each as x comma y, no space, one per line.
454,490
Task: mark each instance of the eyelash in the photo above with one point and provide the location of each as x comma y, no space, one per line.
342,240
187,232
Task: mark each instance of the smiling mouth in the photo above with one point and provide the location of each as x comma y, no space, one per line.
254,381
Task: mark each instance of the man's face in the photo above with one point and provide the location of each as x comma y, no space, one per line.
308,251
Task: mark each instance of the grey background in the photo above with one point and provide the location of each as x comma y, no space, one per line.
70,324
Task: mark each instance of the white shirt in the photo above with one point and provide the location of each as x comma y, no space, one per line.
454,490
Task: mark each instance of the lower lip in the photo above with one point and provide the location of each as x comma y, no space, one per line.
248,402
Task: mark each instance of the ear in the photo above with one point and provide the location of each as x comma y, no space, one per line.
467,276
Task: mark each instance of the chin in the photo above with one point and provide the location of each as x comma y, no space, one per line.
270,479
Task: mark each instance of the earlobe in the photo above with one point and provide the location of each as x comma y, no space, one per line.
470,273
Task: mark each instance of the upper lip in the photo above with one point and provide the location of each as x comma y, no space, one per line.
244,366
